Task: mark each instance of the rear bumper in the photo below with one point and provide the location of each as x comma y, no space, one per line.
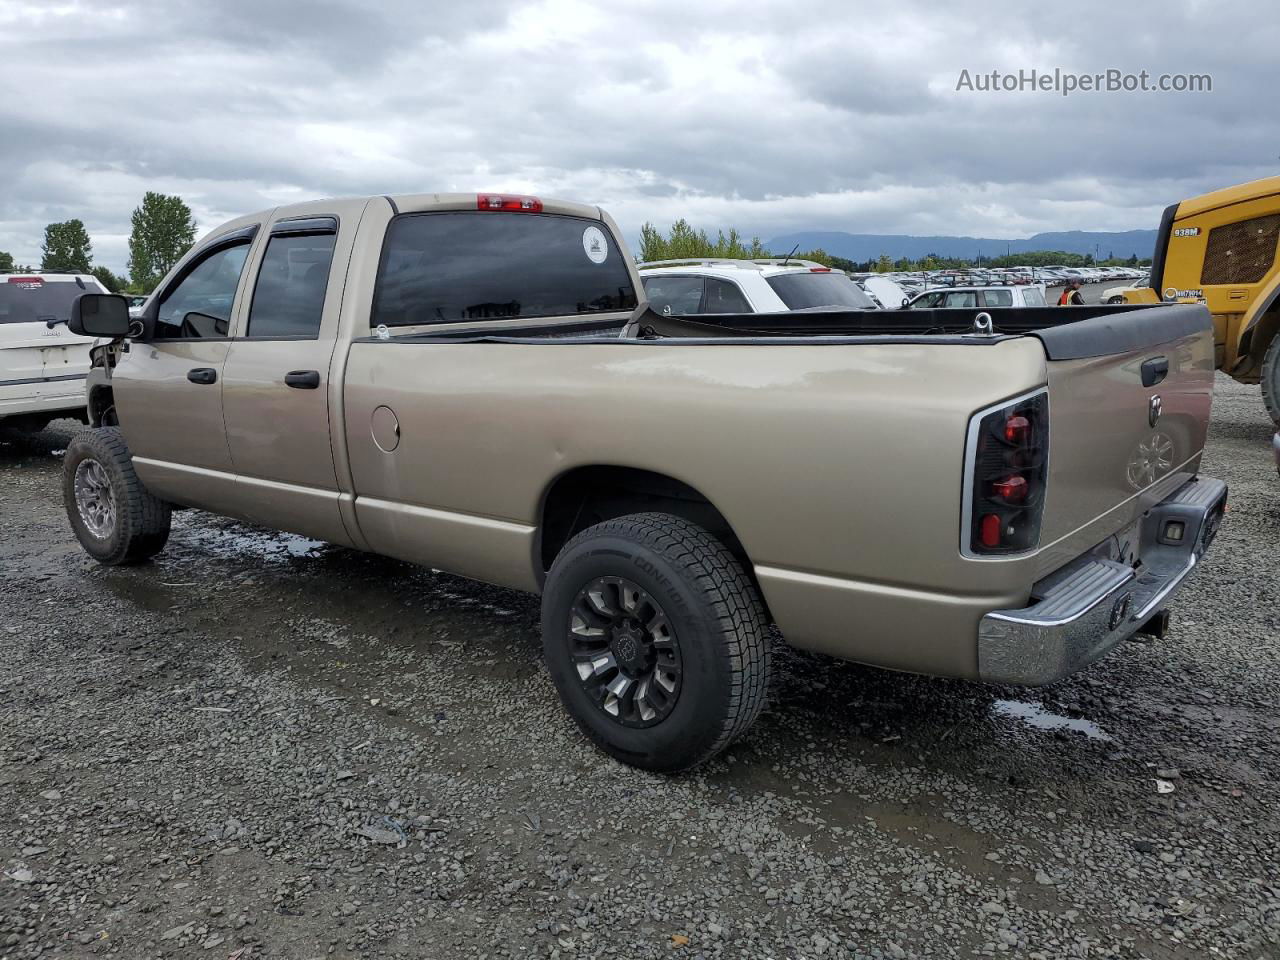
1084,610
42,395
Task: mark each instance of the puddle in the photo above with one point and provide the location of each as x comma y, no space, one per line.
227,543
1036,716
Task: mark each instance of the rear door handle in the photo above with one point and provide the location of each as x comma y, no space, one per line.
203,375
303,379
1154,370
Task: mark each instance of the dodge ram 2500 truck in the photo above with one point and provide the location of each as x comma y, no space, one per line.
470,383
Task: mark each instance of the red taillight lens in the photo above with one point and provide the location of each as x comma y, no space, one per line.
28,281
819,269
1008,457
1017,429
989,529
1013,489
508,202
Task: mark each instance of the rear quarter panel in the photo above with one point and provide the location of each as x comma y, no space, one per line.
834,464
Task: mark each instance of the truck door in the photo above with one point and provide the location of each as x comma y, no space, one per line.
276,392
168,387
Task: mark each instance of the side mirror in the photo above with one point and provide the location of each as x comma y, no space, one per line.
100,315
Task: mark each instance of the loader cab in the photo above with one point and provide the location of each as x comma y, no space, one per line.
1220,249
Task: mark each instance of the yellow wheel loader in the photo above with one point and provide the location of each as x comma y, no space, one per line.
1220,249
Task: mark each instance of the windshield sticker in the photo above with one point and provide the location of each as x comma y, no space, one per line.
595,245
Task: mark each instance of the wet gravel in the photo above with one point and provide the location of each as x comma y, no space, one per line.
261,746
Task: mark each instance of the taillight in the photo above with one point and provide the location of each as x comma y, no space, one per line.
1009,455
502,201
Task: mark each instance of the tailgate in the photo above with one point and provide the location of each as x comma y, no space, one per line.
1129,398
22,353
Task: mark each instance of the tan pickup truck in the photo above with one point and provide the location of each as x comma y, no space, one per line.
469,382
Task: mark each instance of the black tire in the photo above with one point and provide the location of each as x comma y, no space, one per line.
719,627
1114,300
1271,378
138,527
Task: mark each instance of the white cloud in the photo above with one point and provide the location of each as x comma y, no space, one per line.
769,119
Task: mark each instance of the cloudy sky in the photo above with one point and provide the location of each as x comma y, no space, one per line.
770,117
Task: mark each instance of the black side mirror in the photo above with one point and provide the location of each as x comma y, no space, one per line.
100,315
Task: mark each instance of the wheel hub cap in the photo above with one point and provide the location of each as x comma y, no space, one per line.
625,652
95,501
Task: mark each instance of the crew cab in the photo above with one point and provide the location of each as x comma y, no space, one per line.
43,365
473,383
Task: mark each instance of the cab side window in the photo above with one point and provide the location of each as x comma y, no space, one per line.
997,298
288,299
199,306
724,297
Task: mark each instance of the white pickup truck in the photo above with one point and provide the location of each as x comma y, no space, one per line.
43,364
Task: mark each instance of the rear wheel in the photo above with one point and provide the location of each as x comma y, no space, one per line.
656,640
114,517
1271,378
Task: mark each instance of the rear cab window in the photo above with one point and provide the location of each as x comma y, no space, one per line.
455,266
1033,296
25,299
804,291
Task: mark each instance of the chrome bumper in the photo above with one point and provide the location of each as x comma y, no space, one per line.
1089,606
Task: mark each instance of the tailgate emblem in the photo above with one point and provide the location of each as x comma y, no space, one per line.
1154,409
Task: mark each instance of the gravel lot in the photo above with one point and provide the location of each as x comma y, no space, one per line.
260,746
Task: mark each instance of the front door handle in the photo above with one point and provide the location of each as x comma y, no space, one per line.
1154,370
203,375
303,379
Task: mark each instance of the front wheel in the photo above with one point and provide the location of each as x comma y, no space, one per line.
1271,378
656,640
1114,300
114,517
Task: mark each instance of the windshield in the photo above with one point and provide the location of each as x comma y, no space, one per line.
29,299
801,291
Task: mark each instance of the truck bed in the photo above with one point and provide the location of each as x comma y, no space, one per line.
1067,333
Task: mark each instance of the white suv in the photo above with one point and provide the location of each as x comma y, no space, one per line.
43,365
690,287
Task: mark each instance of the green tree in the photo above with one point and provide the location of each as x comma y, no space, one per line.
163,230
884,264
6,262
653,245
111,281
684,242
66,248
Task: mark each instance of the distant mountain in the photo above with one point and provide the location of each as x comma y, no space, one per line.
869,246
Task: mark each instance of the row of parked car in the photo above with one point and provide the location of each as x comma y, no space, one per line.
920,280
